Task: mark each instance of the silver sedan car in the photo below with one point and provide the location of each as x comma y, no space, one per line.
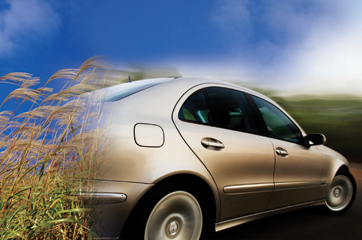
193,156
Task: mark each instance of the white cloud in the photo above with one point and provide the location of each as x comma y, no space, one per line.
260,29
311,46
26,20
330,58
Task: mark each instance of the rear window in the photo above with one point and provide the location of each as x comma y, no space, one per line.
124,90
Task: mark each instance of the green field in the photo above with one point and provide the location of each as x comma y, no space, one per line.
338,117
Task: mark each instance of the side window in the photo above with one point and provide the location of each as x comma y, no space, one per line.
277,123
228,109
219,107
195,109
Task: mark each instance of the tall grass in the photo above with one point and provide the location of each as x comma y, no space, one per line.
46,151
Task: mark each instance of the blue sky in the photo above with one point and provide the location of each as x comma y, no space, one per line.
306,46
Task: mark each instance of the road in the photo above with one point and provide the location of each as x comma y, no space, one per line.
307,223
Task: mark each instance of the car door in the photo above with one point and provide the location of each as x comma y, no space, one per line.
298,167
215,124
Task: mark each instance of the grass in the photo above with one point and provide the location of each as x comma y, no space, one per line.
338,117
46,151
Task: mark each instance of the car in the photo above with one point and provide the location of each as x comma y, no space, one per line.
191,156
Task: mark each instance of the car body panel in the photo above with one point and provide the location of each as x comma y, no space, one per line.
128,161
332,162
297,175
252,217
249,174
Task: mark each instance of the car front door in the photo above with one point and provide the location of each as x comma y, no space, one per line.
214,123
298,167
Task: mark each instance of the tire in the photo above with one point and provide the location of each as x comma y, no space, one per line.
170,211
341,193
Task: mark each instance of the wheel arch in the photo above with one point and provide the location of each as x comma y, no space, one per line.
191,179
342,169
185,179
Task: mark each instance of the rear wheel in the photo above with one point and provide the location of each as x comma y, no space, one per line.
176,216
341,193
171,211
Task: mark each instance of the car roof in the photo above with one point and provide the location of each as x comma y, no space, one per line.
182,83
169,91
189,82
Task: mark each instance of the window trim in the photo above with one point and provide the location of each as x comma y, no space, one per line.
252,110
264,128
257,117
248,110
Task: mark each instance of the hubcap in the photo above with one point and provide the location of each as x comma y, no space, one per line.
173,228
337,191
176,216
340,193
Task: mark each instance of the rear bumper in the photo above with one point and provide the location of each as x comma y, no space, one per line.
112,202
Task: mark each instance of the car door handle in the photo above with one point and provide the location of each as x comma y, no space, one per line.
212,143
281,152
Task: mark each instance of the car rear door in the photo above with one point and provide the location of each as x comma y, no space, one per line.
215,123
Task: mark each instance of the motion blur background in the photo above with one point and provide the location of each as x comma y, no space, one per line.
306,55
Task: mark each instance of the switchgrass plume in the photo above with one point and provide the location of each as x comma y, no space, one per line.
47,152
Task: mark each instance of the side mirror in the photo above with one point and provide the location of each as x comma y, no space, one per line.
315,139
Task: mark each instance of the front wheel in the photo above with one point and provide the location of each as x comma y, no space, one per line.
341,193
